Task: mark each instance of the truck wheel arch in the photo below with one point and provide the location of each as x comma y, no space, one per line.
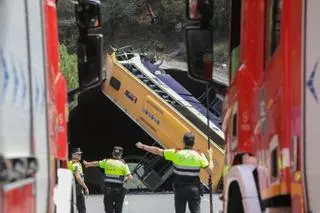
238,182
234,203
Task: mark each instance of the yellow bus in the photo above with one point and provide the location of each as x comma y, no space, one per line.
161,106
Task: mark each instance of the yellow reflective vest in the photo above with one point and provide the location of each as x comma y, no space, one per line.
115,170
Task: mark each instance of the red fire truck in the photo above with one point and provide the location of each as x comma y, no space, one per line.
271,108
33,103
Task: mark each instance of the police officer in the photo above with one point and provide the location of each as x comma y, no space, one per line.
187,163
116,173
75,166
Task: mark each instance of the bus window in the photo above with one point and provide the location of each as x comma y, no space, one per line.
235,35
273,26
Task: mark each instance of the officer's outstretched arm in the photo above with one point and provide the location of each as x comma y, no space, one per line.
153,149
91,164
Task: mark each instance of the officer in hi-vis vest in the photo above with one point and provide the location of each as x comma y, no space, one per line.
75,166
116,173
187,163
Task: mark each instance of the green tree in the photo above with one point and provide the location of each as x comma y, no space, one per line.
171,12
68,66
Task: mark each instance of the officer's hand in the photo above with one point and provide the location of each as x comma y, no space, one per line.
85,163
139,145
86,191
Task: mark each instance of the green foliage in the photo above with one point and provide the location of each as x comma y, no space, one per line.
128,22
65,9
68,31
68,66
119,10
221,20
171,12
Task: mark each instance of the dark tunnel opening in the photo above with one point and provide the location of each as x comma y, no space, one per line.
97,125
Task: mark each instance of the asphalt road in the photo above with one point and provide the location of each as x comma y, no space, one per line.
149,203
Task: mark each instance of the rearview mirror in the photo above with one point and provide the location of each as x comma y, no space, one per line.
199,9
199,43
90,60
88,14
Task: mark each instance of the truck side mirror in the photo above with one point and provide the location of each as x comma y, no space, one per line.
199,9
90,60
199,43
88,14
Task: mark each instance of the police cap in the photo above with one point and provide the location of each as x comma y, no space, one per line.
76,150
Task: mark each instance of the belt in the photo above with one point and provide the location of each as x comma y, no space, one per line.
114,189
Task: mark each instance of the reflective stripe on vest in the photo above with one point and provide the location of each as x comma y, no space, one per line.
186,171
114,178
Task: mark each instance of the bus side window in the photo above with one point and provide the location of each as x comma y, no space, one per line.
235,35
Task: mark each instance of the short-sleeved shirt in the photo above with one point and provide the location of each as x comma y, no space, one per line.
115,170
76,166
187,164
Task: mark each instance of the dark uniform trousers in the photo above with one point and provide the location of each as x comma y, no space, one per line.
184,194
81,206
113,199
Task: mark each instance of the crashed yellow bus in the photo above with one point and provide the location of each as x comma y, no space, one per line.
163,108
